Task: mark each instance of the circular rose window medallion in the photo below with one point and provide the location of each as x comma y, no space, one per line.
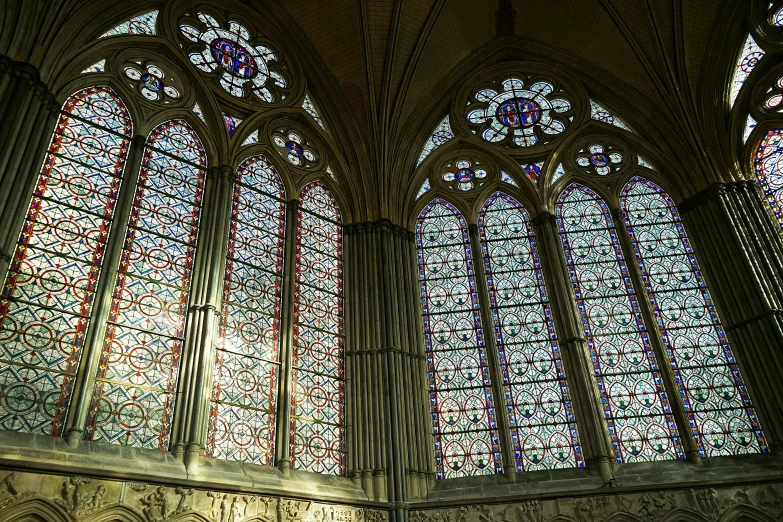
234,58
518,112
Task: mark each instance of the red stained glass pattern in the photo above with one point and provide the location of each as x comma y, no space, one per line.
711,388
635,403
244,389
136,381
49,289
318,386
768,162
543,428
464,427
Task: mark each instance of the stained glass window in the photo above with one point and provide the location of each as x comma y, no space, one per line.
644,163
750,124
251,139
136,381
533,170
559,172
98,66
150,83
768,162
598,113
244,396
244,68
538,402
505,177
231,123
142,24
720,412
777,17
750,55
463,413
424,188
50,285
635,403
318,386
520,111
439,136
309,106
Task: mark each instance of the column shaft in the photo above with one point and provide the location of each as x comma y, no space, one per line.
739,245
93,343
588,411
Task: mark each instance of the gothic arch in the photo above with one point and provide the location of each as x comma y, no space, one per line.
116,513
684,515
745,513
34,510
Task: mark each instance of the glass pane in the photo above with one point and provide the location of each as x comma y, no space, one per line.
318,382
635,404
49,289
244,386
541,418
769,170
464,427
720,412
136,381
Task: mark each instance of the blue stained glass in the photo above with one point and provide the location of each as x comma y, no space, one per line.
635,403
750,55
464,428
768,162
537,399
136,381
318,382
716,400
244,389
49,290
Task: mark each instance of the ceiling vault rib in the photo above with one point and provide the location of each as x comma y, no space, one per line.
386,87
410,67
370,88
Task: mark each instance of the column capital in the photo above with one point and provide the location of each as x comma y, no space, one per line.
220,172
543,218
715,191
617,213
26,71
138,141
473,229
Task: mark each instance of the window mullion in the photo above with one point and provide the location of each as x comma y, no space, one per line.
283,428
496,372
670,386
80,401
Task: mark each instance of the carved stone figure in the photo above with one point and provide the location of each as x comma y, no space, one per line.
155,505
76,501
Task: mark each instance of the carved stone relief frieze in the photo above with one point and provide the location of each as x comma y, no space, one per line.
711,504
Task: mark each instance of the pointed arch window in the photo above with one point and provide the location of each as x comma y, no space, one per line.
244,391
635,403
721,416
463,413
543,428
136,381
317,374
49,290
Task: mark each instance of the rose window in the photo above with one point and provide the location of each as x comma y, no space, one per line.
520,114
149,82
242,67
464,175
294,148
600,160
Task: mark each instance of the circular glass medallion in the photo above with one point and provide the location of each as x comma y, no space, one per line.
464,175
599,159
518,112
234,58
294,148
152,82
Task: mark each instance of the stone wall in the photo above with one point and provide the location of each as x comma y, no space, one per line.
55,498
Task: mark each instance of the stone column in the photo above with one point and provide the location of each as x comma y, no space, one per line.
739,245
656,340
588,411
386,376
28,112
490,344
194,393
93,342
286,342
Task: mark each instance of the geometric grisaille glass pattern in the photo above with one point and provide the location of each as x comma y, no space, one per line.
136,380
635,404
464,426
50,285
244,391
317,368
768,162
539,407
716,400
